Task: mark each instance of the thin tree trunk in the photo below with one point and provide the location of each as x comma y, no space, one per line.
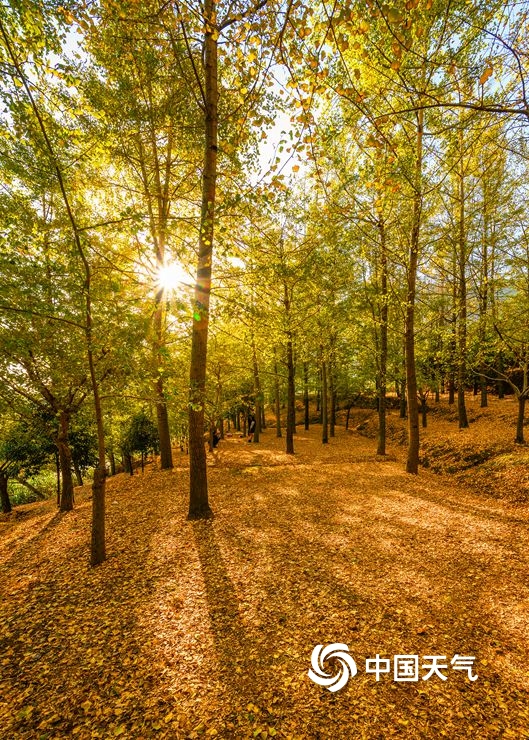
306,394
403,403
162,423
484,289
65,461
58,477
291,398
257,392
112,459
332,396
34,491
412,463
462,297
383,359
198,482
277,401
324,428
78,474
520,420
423,413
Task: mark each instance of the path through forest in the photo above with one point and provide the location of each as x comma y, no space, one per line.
206,629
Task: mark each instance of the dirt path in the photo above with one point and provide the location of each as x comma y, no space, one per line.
206,629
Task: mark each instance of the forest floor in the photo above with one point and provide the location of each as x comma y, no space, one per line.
205,629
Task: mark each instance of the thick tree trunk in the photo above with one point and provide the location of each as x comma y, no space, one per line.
198,483
412,463
4,494
65,462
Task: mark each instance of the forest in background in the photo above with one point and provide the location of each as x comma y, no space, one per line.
158,280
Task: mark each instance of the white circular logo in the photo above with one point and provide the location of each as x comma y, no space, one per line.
347,666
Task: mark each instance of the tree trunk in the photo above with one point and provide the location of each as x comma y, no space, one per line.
58,477
162,423
35,491
412,463
198,482
462,297
324,428
403,403
423,413
78,474
4,494
277,401
451,389
519,423
383,359
257,392
306,394
291,398
484,289
65,462
483,386
332,399
112,459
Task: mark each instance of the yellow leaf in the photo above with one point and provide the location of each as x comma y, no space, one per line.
295,168
486,74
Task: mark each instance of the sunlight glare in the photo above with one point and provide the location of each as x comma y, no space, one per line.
173,276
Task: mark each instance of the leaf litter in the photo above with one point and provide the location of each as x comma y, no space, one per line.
205,629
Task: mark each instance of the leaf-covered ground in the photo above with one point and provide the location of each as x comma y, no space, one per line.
206,629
